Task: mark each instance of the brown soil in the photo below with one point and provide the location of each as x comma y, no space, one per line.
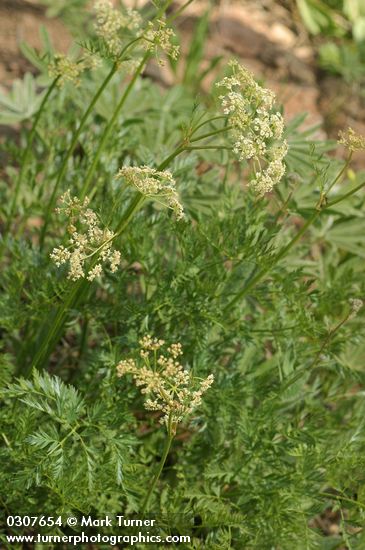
20,21
267,37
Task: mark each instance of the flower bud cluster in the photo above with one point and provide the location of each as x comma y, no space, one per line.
65,69
68,70
257,129
152,183
160,37
356,304
351,140
85,243
170,389
148,344
110,23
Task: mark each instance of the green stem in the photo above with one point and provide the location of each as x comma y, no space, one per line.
27,152
109,128
327,340
171,157
183,148
220,117
83,340
179,11
156,477
213,133
341,497
133,207
53,327
201,147
283,252
114,118
71,149
341,172
343,197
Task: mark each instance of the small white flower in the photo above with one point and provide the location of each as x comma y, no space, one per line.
352,140
356,304
65,69
83,244
258,132
152,183
170,388
95,272
159,37
60,255
111,22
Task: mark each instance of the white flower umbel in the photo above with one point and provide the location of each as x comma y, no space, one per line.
87,242
113,26
257,128
66,70
158,37
352,140
170,389
152,183
111,23
356,304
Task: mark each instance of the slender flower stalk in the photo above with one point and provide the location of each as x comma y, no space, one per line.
167,161
346,195
336,179
27,151
71,149
257,128
186,147
205,122
170,389
87,240
179,11
153,39
52,328
118,59
212,133
159,185
156,477
109,127
355,305
217,147
321,206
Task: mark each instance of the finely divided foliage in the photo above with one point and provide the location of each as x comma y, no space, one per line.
182,301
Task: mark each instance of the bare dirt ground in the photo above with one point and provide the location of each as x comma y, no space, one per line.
20,21
267,36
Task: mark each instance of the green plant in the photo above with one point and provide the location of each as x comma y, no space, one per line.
340,26
213,225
